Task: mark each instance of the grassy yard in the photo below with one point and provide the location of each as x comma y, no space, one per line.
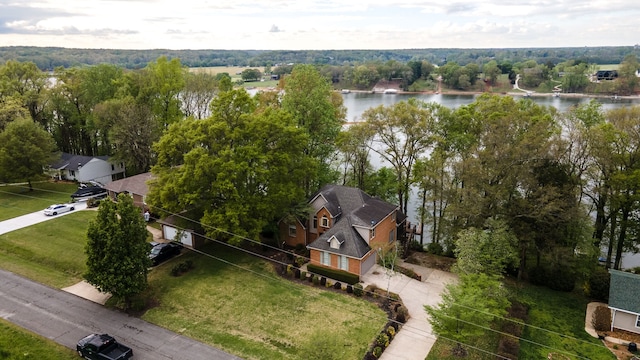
250,312
17,343
556,324
246,309
51,252
18,200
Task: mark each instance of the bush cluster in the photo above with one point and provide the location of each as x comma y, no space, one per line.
339,275
181,268
435,248
598,286
401,314
560,278
601,320
358,290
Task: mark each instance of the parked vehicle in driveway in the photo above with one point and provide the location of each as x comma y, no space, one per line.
102,347
90,192
58,209
164,251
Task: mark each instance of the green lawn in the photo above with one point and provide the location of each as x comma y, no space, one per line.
17,343
51,252
255,314
18,200
556,324
252,313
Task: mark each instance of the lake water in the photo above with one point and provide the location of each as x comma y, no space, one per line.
357,103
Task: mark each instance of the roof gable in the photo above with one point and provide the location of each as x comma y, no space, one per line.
74,162
623,291
351,208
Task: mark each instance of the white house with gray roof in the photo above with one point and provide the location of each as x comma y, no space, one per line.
83,168
624,301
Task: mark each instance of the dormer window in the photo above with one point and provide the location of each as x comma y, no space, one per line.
292,230
334,243
324,221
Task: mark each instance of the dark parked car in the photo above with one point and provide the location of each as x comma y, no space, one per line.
164,251
94,192
102,347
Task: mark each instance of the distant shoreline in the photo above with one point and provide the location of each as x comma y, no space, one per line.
510,93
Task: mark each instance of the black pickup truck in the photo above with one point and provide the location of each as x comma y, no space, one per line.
102,347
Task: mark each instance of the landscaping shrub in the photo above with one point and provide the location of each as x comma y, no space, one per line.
339,275
181,268
401,314
371,290
435,248
337,286
382,340
415,245
323,281
297,273
300,261
289,269
357,290
349,289
409,272
369,356
315,279
329,283
599,284
303,275
391,331
377,351
601,320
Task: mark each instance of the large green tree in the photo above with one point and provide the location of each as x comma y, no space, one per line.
25,150
117,250
402,133
468,308
236,170
319,111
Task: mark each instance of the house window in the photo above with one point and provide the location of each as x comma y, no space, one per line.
344,262
372,233
73,173
392,234
112,167
325,258
292,230
325,221
638,321
315,222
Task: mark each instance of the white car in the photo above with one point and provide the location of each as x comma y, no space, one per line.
58,209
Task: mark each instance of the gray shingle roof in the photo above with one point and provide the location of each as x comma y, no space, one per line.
624,291
136,184
350,207
74,162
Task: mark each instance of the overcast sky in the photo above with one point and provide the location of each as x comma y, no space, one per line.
318,24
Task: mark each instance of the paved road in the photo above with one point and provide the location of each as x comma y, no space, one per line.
65,318
33,218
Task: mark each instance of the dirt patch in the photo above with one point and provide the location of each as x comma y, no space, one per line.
431,261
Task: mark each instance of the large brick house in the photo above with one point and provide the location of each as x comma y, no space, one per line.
345,229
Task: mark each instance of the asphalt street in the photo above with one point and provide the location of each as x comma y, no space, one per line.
65,318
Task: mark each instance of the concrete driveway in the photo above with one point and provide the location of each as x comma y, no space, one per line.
34,218
415,339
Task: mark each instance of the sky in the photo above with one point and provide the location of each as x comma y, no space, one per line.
318,24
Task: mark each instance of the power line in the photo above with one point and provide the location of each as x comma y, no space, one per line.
283,263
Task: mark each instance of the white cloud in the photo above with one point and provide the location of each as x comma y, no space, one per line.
318,24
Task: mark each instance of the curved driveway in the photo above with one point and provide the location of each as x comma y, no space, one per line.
65,318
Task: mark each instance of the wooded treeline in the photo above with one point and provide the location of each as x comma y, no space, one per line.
48,58
239,163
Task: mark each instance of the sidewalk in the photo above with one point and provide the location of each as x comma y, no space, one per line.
415,339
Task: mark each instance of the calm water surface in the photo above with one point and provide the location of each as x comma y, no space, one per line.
357,103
